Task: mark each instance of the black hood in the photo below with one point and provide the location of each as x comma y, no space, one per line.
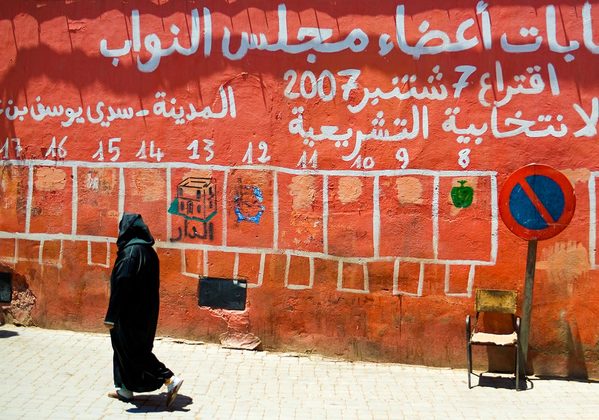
133,230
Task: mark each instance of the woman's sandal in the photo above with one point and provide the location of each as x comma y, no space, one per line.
117,396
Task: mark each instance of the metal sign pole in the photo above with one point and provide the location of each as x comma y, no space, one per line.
536,202
531,260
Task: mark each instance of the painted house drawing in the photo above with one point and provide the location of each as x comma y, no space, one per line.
196,199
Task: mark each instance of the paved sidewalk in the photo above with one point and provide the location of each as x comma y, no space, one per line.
66,375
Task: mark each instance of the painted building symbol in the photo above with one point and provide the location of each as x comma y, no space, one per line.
196,199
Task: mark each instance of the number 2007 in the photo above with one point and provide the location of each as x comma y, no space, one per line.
310,85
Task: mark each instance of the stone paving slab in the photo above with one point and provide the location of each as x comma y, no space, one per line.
56,374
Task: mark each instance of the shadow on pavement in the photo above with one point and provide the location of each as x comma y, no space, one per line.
157,403
504,382
509,382
560,378
8,334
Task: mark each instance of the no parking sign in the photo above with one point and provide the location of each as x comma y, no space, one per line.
537,202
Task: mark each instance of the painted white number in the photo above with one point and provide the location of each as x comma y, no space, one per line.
247,158
194,147
141,153
154,153
464,158
264,157
113,149
208,149
403,157
310,85
326,96
351,84
16,146
366,163
4,150
292,76
304,162
313,88
57,149
99,155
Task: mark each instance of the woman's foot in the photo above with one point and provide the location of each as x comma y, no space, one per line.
173,384
122,394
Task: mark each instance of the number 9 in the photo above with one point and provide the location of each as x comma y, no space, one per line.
402,156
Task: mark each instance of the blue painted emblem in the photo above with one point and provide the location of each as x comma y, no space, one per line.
248,203
550,197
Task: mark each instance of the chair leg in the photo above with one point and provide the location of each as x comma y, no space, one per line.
469,352
518,367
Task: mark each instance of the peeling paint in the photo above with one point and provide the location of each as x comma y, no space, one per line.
565,262
149,185
303,192
50,179
349,189
409,190
577,175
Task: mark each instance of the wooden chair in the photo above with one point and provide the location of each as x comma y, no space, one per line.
494,301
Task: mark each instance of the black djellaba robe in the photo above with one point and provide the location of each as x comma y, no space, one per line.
133,308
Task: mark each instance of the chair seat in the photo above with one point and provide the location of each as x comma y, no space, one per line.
494,339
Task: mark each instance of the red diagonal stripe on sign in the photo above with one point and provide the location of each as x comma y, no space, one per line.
537,203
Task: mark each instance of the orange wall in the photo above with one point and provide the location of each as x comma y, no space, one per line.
333,158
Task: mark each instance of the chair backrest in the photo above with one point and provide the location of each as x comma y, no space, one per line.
490,300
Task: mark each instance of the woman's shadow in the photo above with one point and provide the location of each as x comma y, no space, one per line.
157,403
8,334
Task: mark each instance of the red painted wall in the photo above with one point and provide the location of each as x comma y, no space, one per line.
322,141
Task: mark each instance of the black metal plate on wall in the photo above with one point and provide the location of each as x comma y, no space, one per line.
5,287
220,293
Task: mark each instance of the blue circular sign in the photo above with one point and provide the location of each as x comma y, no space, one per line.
550,197
537,202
